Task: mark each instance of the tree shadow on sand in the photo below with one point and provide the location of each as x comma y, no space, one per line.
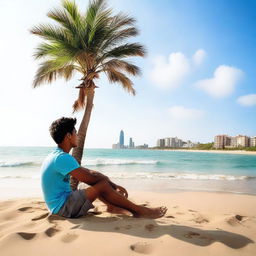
147,228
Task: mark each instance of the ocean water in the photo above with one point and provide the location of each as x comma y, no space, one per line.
152,170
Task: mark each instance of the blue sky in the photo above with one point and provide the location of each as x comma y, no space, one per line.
198,79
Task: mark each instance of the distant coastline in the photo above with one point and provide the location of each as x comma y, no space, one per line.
223,151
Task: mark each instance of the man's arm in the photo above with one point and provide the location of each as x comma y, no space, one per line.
90,177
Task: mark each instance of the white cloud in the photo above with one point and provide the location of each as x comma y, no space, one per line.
223,82
199,57
182,113
170,72
247,100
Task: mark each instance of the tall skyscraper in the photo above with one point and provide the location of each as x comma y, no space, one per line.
121,139
131,143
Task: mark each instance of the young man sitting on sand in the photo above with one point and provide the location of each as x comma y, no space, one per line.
59,165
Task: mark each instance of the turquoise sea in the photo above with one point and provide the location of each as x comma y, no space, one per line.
153,170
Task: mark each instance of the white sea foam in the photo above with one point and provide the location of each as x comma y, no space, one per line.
109,161
176,176
142,175
16,164
86,162
21,176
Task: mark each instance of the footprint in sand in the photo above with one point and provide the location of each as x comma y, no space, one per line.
200,219
69,237
239,217
76,226
50,232
170,217
52,217
192,210
192,234
26,209
125,227
27,236
42,216
235,220
150,227
128,227
142,247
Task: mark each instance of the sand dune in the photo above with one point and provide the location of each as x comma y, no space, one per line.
196,223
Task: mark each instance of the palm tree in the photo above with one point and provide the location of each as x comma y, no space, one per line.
89,43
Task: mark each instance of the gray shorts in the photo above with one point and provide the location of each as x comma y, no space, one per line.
76,205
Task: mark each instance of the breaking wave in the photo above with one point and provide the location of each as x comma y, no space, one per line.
105,161
17,164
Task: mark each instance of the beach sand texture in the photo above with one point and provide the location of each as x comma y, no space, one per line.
196,223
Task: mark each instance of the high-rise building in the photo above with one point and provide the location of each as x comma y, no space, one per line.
121,139
243,141
225,141
233,142
160,143
221,141
167,142
172,142
131,143
253,141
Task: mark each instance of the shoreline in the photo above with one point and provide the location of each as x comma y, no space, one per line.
235,152
237,187
141,192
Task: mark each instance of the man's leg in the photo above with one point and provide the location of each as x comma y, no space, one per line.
103,189
112,208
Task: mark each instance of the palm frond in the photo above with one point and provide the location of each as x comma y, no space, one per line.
81,101
51,33
125,50
115,76
118,28
122,65
115,37
72,21
72,9
50,70
54,50
96,19
63,19
98,28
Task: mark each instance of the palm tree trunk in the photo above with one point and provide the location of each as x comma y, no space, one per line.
77,152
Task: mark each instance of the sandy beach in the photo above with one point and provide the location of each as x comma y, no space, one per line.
236,152
197,223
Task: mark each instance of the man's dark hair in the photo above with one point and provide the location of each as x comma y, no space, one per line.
60,127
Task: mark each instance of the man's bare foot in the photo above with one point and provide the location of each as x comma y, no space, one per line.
151,213
117,210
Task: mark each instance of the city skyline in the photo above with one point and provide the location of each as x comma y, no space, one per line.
227,141
219,142
130,144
